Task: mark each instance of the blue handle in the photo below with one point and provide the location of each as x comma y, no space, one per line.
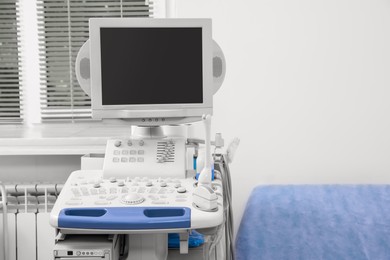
122,218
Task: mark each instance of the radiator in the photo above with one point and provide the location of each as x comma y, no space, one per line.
30,237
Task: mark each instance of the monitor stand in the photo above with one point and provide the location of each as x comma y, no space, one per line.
148,132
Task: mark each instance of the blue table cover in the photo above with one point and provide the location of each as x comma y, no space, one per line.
316,222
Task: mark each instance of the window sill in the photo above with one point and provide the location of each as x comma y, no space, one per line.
58,139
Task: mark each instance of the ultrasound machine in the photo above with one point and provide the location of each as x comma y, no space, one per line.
155,191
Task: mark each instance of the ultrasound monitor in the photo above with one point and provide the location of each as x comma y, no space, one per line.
151,71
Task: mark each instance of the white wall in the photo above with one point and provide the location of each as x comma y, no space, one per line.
307,89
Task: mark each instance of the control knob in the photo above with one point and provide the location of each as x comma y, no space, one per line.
132,199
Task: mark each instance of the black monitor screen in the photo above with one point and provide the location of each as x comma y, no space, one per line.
151,66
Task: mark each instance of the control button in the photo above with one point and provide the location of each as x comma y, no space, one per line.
132,152
153,197
163,184
162,191
177,185
141,152
121,183
149,184
129,143
96,185
181,190
141,143
76,192
124,159
118,143
132,199
102,202
117,152
132,159
112,179
78,253
153,190
111,197
73,202
115,159
125,152
140,159
160,202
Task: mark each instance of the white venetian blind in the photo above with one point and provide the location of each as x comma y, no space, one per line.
63,28
10,80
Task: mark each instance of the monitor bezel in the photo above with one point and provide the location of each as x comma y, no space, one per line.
179,110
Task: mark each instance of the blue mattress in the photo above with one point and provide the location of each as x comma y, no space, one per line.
316,222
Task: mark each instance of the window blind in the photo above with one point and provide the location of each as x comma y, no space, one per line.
10,86
63,28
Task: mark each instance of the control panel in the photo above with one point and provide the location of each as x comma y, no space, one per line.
145,157
89,201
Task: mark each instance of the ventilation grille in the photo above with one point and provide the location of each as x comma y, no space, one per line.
166,150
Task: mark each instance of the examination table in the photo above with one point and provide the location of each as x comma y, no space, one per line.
316,222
